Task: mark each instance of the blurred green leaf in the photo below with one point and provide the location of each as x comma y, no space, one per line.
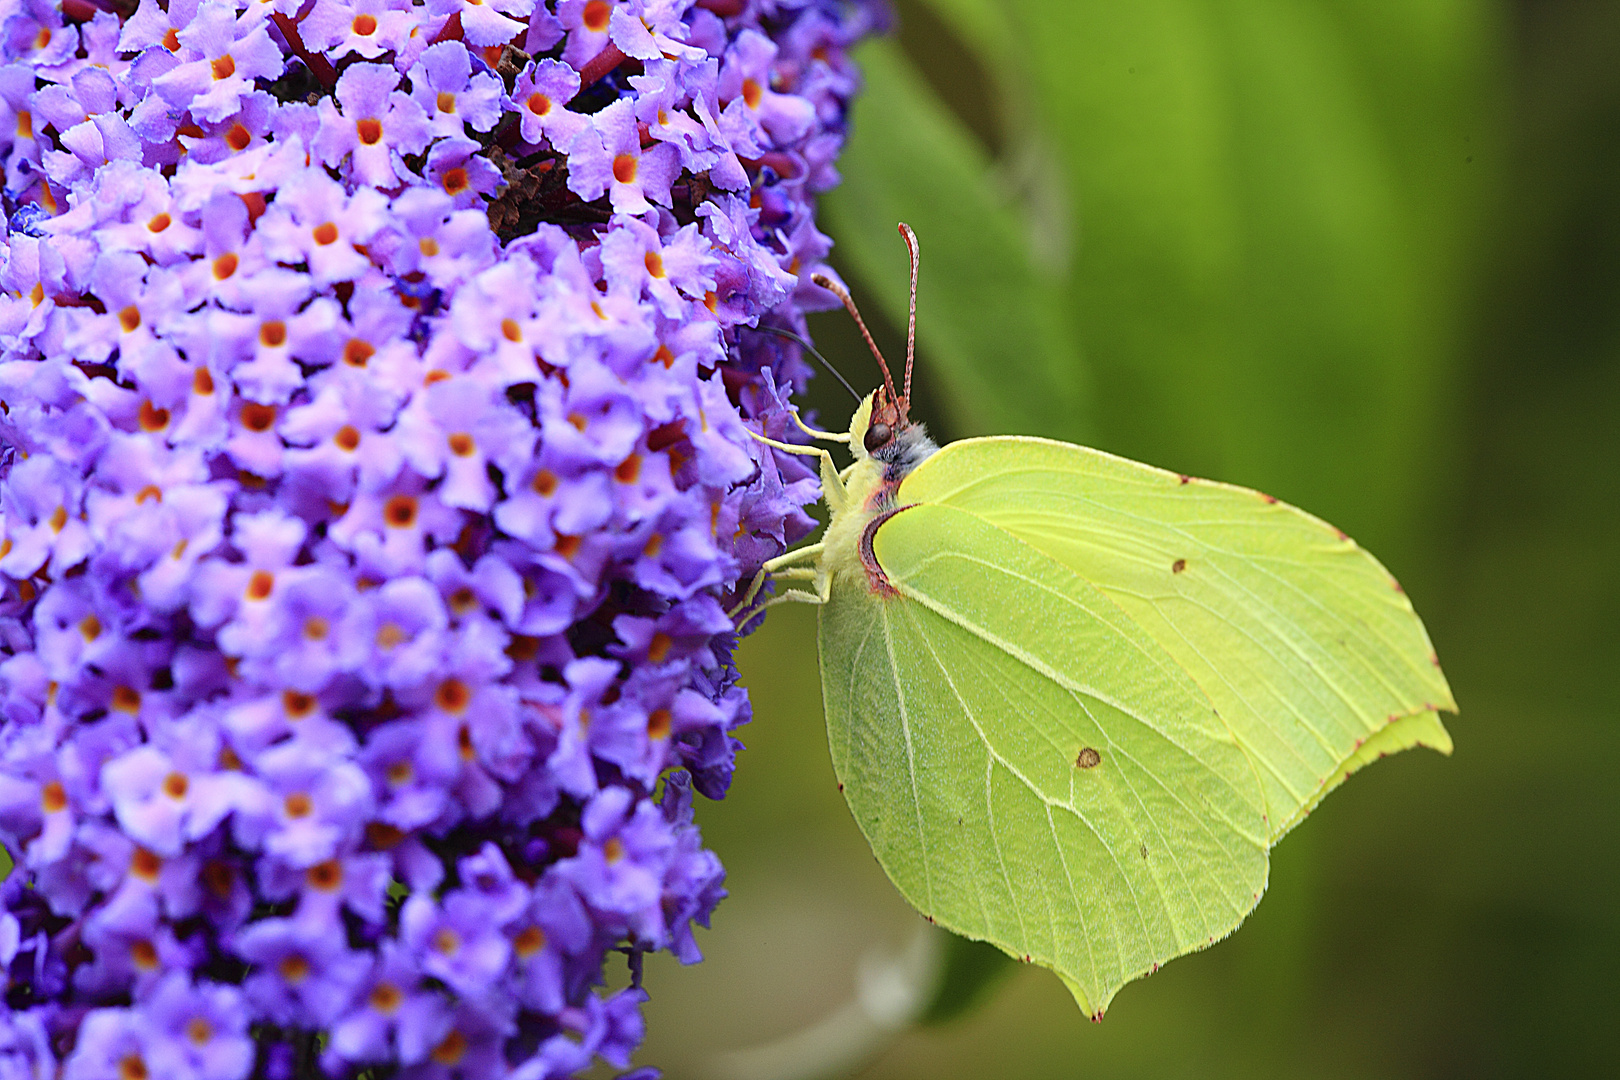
993,325
1272,200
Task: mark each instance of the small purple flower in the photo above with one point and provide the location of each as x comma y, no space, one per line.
607,158
303,972
314,808
485,22
635,258
43,524
452,96
162,800
93,130
133,948
456,166
221,54
368,28
197,1032
471,1048
111,1042
553,930
457,939
746,77
586,25
540,98
377,124
317,223
394,1014
619,865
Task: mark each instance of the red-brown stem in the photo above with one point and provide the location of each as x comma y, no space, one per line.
319,66
726,9
782,163
599,65
450,31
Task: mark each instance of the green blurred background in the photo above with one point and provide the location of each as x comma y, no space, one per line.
1361,254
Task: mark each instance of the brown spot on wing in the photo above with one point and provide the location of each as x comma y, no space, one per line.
1088,758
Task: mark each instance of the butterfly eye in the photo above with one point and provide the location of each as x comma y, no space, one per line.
876,436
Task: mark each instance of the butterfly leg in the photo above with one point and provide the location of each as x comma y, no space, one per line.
779,567
790,595
820,436
832,487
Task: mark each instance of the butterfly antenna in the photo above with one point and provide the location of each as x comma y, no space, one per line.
849,305
911,313
811,349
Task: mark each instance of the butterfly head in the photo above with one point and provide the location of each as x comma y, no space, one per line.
881,428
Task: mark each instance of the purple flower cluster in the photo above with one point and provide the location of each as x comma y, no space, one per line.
375,473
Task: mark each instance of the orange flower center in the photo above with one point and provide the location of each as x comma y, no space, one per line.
260,584
400,511
297,704
325,876
530,941
53,797
658,724
257,417
452,695
357,352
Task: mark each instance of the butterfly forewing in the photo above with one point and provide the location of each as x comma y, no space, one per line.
1307,646
1029,767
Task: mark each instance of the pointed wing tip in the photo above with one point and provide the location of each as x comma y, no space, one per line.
1440,739
1094,1013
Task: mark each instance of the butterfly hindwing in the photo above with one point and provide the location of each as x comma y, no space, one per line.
1030,768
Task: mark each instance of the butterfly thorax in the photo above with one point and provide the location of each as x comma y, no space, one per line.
887,447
